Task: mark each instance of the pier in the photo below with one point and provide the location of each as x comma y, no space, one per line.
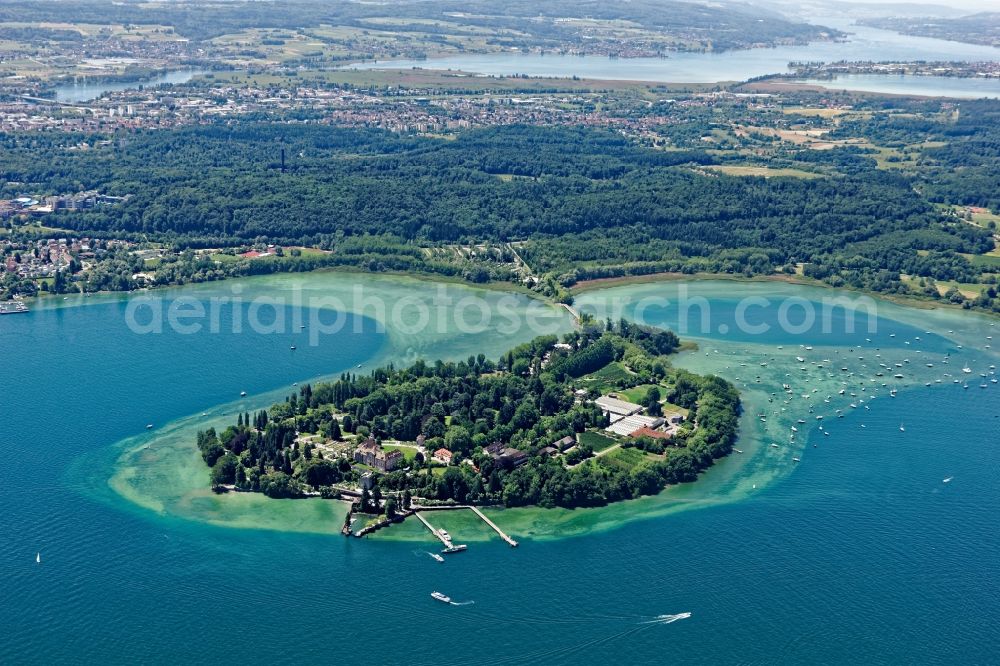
417,511
573,313
513,544
447,543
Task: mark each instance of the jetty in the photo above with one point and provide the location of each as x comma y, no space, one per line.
454,507
513,544
573,313
447,542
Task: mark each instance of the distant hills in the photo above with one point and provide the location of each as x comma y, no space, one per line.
546,22
982,28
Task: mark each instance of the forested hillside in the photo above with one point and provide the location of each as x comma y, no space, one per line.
561,189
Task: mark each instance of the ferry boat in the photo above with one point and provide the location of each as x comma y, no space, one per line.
454,549
441,597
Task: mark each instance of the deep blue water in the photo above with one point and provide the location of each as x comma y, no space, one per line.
861,555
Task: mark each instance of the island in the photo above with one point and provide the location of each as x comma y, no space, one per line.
597,417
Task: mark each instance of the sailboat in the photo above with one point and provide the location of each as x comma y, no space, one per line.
38,558
902,428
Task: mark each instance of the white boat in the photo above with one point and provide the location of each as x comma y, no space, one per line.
441,597
243,394
454,549
902,428
149,426
948,480
967,370
38,558
436,557
796,460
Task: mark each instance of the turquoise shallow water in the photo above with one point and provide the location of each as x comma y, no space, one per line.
858,554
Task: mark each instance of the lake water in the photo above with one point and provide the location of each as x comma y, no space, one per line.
86,91
858,554
908,84
864,44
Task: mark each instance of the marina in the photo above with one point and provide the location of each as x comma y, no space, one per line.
443,535
13,307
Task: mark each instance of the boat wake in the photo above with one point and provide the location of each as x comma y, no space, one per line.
462,603
667,619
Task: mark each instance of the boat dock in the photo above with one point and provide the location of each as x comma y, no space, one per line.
12,307
573,313
454,507
447,542
513,544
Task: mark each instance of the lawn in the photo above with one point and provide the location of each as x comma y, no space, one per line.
409,452
966,289
624,459
637,393
988,261
597,441
766,172
225,258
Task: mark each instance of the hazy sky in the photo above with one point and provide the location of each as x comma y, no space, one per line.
971,5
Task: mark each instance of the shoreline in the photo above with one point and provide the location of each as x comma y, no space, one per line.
187,496
914,302
582,287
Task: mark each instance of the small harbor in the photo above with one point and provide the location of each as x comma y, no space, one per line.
442,535
13,307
